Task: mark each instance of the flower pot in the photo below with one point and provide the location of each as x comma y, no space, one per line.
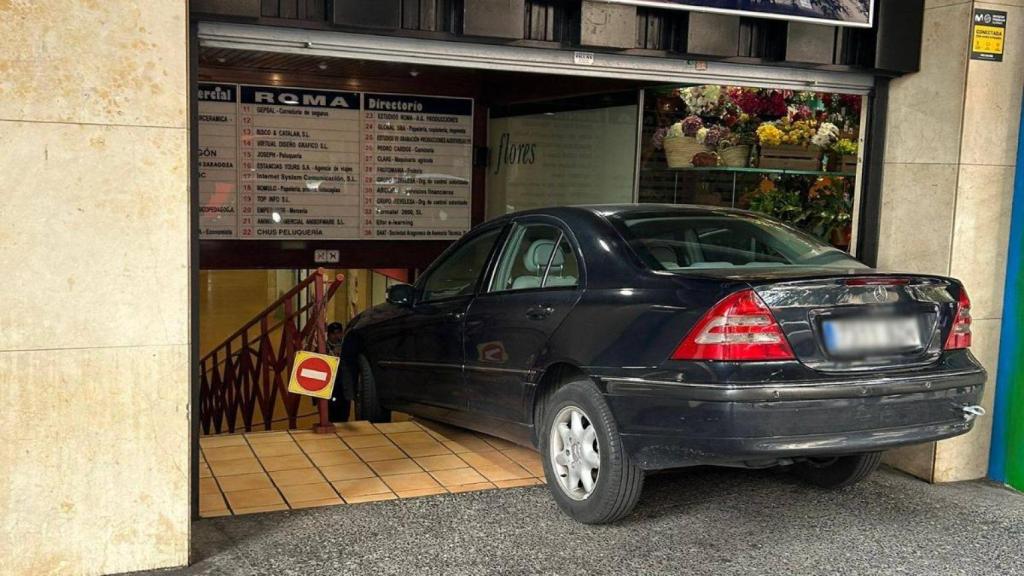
680,150
735,156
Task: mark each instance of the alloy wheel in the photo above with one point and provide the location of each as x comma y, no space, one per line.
575,452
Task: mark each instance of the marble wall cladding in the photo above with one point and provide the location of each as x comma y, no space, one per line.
948,187
94,331
95,460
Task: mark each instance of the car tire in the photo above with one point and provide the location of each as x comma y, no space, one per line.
368,405
838,472
615,484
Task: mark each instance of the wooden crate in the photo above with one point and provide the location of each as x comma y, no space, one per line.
790,157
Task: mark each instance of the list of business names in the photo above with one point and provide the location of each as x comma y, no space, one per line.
290,163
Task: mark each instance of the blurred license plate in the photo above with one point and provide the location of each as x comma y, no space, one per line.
865,335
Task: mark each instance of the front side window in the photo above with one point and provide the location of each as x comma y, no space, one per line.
679,243
536,256
457,274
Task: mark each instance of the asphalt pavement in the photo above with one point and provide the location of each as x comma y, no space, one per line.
694,521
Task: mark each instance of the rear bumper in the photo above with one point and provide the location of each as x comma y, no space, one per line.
665,424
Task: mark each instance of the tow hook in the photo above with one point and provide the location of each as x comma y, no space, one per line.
973,411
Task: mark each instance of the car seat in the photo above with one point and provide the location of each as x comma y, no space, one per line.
535,259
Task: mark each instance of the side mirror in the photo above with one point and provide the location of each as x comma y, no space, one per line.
401,294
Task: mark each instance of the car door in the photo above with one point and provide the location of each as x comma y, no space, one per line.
536,281
425,366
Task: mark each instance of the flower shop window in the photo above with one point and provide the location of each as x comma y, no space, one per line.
789,154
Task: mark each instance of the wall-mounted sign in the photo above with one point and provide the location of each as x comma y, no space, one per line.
988,35
835,12
295,163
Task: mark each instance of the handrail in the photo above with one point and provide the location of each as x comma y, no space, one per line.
246,371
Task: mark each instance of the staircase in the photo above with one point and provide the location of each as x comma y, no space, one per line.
246,375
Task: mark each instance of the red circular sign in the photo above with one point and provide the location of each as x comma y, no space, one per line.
313,374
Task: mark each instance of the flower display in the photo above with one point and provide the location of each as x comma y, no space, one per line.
845,147
691,125
702,100
827,135
712,137
761,102
769,135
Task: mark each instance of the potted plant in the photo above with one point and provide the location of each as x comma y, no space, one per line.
734,147
777,201
786,144
830,210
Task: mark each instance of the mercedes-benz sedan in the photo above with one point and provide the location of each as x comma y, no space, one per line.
623,339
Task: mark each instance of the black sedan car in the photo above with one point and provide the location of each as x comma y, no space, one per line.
627,338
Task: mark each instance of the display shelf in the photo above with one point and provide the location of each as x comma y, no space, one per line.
750,170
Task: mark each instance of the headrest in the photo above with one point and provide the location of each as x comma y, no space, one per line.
536,257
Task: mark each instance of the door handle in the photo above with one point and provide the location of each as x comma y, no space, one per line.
455,316
539,312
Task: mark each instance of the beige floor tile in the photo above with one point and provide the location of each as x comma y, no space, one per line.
409,482
436,429
397,416
498,473
227,453
498,443
208,485
204,470
274,463
277,449
349,471
470,487
421,450
467,444
421,492
368,441
350,489
296,477
442,462
245,482
488,458
317,503
517,483
333,458
211,501
357,428
221,441
308,492
458,476
322,444
379,453
392,467
526,458
214,513
258,509
255,438
393,427
371,498
409,438
233,467
253,498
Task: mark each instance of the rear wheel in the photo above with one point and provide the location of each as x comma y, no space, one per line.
839,471
368,405
587,470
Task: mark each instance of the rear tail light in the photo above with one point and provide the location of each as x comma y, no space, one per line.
960,334
740,327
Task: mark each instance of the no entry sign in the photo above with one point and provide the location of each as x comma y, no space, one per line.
313,374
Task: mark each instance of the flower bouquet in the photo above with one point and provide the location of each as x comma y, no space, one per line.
681,143
787,144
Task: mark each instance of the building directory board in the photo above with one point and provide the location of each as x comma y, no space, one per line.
859,13
281,163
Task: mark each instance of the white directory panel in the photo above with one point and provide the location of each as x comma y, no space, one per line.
294,163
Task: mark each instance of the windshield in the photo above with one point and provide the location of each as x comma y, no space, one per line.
723,240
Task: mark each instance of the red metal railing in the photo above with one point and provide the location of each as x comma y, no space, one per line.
247,371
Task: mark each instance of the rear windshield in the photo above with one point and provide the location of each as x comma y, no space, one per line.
680,243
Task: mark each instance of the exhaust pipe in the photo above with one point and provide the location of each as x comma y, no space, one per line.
973,411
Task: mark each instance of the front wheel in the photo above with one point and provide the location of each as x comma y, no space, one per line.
368,406
839,471
589,474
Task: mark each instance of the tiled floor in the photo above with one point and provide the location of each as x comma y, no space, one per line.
362,462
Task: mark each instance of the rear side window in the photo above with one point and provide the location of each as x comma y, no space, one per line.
536,256
679,243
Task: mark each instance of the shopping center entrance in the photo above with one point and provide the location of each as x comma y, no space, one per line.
325,178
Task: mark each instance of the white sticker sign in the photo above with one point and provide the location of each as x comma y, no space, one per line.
294,163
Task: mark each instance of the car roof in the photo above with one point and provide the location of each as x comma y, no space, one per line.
625,210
